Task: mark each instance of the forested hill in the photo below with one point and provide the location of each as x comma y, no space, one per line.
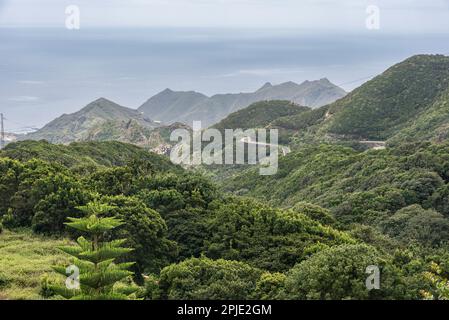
363,187
307,232
386,208
408,102
390,102
86,154
260,115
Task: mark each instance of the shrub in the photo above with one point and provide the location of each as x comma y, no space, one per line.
339,273
204,279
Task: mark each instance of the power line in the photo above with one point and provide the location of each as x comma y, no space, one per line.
357,80
2,133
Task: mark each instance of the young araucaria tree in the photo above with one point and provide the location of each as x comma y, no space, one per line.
94,274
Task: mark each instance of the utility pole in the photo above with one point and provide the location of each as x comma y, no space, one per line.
2,132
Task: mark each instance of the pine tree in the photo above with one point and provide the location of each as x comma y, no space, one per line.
95,258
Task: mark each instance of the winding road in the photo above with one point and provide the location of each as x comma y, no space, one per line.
248,140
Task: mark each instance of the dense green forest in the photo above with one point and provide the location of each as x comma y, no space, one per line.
192,241
144,228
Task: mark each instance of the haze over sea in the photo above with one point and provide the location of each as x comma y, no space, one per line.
45,72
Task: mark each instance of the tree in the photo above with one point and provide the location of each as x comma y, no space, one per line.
340,273
204,279
37,180
270,286
9,182
264,237
414,223
144,230
95,258
112,181
63,197
315,212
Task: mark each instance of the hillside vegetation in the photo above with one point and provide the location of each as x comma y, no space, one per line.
259,115
383,106
406,103
84,155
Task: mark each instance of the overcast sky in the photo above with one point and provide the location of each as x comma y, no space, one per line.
336,15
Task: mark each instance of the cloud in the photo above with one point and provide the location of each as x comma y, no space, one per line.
30,82
23,99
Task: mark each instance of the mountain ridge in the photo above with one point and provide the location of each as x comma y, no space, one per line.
186,106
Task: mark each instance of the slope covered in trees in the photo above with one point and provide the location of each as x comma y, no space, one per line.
385,105
177,220
407,102
169,215
260,114
364,187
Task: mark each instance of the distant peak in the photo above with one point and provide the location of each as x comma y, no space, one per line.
288,84
100,103
168,90
102,100
266,86
324,80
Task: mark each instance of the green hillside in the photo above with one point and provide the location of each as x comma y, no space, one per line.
431,124
260,114
365,187
85,154
383,106
99,115
104,120
408,101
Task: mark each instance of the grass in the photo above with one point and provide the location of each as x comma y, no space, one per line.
24,259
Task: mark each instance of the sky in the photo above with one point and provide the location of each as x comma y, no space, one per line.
397,15
129,50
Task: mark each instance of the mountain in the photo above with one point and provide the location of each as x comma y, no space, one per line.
100,120
171,106
167,105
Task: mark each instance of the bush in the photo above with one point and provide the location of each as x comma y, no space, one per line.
339,273
206,279
270,286
52,210
264,237
315,212
415,224
144,230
